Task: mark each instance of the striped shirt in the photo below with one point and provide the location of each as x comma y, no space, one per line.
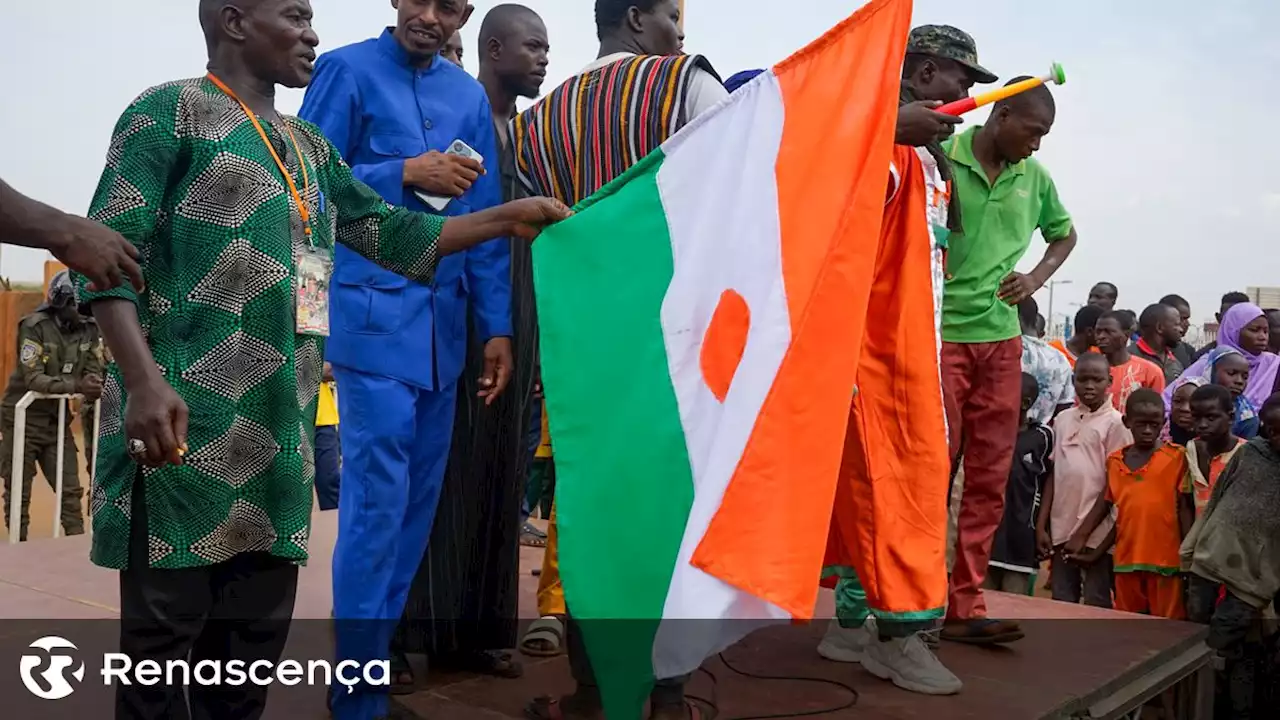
599,123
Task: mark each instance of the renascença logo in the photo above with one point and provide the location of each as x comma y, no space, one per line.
50,683
45,673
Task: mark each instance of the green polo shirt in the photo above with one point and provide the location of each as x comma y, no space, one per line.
998,222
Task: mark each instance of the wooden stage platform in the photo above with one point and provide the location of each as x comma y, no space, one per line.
1075,662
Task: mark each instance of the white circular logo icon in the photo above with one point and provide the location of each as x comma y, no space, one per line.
51,682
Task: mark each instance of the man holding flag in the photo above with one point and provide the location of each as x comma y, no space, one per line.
703,511
641,42
941,65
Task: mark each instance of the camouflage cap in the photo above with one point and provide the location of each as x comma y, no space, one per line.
950,43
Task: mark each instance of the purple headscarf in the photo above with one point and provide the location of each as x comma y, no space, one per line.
1262,367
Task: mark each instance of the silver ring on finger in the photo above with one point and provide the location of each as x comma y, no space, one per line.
137,448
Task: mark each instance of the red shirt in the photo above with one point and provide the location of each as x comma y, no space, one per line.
1137,373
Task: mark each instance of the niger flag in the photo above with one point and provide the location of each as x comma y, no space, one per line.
701,320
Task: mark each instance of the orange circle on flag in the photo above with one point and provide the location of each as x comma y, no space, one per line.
724,342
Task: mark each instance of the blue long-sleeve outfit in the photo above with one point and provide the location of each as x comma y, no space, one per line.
398,347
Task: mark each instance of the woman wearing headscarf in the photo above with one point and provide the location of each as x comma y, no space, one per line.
1245,330
1179,427
1229,368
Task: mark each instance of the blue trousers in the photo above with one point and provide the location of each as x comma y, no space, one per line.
328,466
395,443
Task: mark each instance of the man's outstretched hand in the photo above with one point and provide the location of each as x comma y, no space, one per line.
528,216
522,219
95,251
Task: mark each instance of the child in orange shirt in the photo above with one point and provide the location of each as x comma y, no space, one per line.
1143,483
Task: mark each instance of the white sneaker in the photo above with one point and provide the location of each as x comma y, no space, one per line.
846,645
910,665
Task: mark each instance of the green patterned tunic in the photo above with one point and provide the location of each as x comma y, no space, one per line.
190,183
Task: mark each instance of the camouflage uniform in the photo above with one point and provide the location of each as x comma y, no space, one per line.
53,356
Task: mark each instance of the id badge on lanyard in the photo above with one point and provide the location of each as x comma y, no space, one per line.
314,269
313,266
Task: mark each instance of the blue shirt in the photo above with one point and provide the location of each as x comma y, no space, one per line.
1052,373
380,111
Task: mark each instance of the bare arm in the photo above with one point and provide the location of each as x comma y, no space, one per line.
95,251
1054,255
1044,542
1100,510
28,222
118,320
410,243
1017,287
521,218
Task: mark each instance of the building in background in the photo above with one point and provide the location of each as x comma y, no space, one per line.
1267,298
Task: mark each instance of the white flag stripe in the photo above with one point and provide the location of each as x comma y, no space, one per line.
720,196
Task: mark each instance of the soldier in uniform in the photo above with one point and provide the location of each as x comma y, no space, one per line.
58,352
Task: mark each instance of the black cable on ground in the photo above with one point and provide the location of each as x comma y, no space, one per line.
715,709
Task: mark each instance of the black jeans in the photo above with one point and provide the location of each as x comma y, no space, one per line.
1067,579
666,693
239,609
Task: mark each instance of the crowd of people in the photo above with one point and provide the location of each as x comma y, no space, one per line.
1125,476
392,217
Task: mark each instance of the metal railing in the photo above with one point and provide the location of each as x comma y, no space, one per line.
19,454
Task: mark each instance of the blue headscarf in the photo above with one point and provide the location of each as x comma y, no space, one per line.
740,79
1246,420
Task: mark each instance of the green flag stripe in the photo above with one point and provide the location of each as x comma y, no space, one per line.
624,485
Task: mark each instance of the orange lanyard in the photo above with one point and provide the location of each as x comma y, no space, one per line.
293,188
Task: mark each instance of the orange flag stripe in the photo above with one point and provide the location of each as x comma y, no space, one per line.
840,97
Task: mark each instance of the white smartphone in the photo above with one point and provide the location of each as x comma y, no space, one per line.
440,202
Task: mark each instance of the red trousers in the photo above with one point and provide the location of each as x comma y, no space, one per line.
983,389
1150,594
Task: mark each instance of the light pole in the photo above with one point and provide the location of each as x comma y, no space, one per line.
681,15
1067,316
1051,285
